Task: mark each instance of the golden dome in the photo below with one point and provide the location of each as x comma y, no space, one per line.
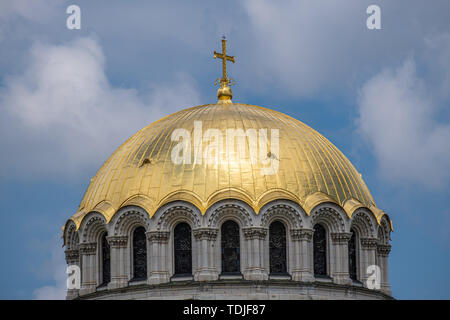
141,171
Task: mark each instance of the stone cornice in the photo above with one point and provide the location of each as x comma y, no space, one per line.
205,233
88,248
72,255
340,237
384,249
254,233
369,243
117,241
302,234
158,236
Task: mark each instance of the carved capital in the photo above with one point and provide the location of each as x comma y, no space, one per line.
302,234
88,248
72,256
255,233
369,243
340,237
383,249
205,233
158,236
117,241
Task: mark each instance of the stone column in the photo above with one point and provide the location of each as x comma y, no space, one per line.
206,267
157,253
368,257
73,258
119,261
339,258
88,267
383,251
255,237
302,253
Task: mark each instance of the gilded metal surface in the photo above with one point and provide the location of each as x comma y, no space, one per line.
140,172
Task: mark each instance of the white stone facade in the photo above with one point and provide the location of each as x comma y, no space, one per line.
372,243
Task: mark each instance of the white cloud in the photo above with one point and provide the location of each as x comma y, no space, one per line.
56,268
62,116
397,115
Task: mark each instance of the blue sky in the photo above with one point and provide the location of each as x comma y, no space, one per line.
68,98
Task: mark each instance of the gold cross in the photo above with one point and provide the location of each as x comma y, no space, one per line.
224,81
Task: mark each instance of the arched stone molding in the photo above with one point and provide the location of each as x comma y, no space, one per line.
337,224
240,213
72,252
122,225
294,219
383,250
331,216
71,236
161,238
364,223
237,210
384,231
91,228
172,223
127,219
291,214
92,225
172,213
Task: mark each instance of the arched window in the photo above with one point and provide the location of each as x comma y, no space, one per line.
277,248
230,247
320,250
139,254
106,261
183,249
352,267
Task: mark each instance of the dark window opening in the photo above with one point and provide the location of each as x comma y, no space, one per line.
230,242
320,250
183,249
139,254
277,248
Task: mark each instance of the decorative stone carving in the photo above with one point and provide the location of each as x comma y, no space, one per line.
369,243
255,233
364,223
88,248
129,218
72,256
117,241
301,234
384,249
92,227
205,233
71,236
340,237
282,210
230,209
158,236
177,212
254,247
331,217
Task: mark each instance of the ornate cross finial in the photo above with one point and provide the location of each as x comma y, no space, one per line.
224,93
